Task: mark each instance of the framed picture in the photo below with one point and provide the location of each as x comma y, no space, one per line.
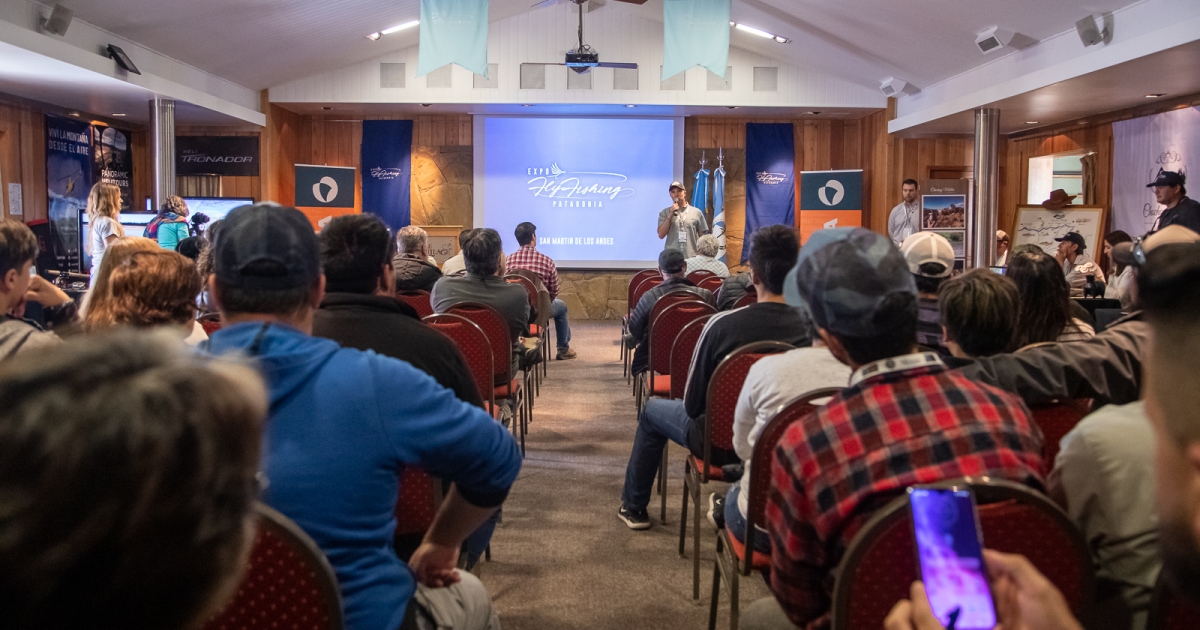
1040,226
943,212
443,241
958,240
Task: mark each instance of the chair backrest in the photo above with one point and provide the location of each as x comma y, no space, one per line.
682,351
210,322
474,346
1055,420
700,274
420,497
419,300
543,296
880,562
764,454
751,297
642,287
288,583
1169,611
493,325
712,283
530,290
642,275
665,324
723,389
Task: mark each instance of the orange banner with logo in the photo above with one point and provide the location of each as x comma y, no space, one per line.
813,220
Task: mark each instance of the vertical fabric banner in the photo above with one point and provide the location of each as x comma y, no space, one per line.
770,178
695,33
719,211
829,199
112,161
1141,146
68,182
387,170
453,31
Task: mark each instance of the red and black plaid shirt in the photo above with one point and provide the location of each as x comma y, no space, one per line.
529,258
903,421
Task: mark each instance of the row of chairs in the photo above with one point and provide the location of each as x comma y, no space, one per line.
647,279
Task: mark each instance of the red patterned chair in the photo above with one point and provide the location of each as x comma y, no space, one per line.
535,330
681,362
751,297
880,562
419,300
471,341
1056,420
211,323
712,283
288,585
544,310
723,390
509,388
1169,611
731,554
660,336
696,276
637,289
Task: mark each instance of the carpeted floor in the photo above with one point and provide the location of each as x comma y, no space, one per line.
561,558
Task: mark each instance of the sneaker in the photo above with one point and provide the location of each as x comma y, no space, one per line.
562,355
634,520
716,510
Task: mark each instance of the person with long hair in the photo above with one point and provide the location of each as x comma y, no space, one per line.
1119,276
150,289
171,225
1045,311
119,250
104,218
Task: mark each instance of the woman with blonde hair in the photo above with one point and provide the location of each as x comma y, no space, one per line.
150,289
119,250
104,218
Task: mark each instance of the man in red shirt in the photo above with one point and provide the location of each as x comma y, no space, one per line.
905,419
528,257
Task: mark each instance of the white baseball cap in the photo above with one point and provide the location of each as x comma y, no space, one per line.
928,247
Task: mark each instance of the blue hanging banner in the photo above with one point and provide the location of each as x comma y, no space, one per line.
387,170
453,31
770,178
719,210
695,33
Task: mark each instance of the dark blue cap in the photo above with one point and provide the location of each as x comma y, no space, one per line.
1168,178
267,247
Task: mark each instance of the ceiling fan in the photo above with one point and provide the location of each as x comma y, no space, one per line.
583,58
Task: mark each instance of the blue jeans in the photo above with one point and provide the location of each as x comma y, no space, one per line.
736,523
660,420
478,541
562,330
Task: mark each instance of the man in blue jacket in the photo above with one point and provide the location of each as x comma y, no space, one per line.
344,423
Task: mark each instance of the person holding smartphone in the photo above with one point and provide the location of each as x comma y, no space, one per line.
681,224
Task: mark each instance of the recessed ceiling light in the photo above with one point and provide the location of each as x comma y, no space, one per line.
1082,122
400,27
374,36
426,104
1155,95
759,32
117,114
1031,122
75,114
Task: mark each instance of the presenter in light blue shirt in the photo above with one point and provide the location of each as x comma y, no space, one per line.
681,223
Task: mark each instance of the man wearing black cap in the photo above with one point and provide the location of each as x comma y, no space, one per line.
1170,191
681,223
345,423
672,267
1076,265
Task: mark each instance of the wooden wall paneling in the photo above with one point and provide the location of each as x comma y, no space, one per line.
23,160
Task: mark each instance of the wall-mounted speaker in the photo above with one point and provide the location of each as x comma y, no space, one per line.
993,39
892,86
59,20
1092,33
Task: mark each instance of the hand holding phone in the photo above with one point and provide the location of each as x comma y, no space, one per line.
950,557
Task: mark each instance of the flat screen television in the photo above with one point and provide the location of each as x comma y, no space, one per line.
215,208
134,224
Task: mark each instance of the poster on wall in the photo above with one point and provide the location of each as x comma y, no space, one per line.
68,181
112,161
324,192
829,199
232,156
1141,147
1040,226
946,211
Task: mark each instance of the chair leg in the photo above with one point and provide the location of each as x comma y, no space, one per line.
716,588
662,479
696,543
733,597
683,512
487,553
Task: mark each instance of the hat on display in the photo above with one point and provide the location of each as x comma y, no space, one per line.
1073,237
1058,200
675,185
928,247
1128,253
671,261
844,275
1168,178
267,247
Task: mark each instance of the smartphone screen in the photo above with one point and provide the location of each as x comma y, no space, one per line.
950,554
1000,270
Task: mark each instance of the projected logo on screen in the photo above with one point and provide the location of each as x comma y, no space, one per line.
577,190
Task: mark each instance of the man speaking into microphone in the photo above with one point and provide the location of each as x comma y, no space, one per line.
681,223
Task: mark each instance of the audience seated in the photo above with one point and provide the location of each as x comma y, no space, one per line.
1119,275
413,270
485,284
119,250
671,266
834,467
204,263
149,289
1045,312
978,314
733,288
456,264
705,259
345,423
682,421
1104,478
18,249
930,258
127,467
529,258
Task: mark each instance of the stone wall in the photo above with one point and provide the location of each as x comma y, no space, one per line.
595,294
442,185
